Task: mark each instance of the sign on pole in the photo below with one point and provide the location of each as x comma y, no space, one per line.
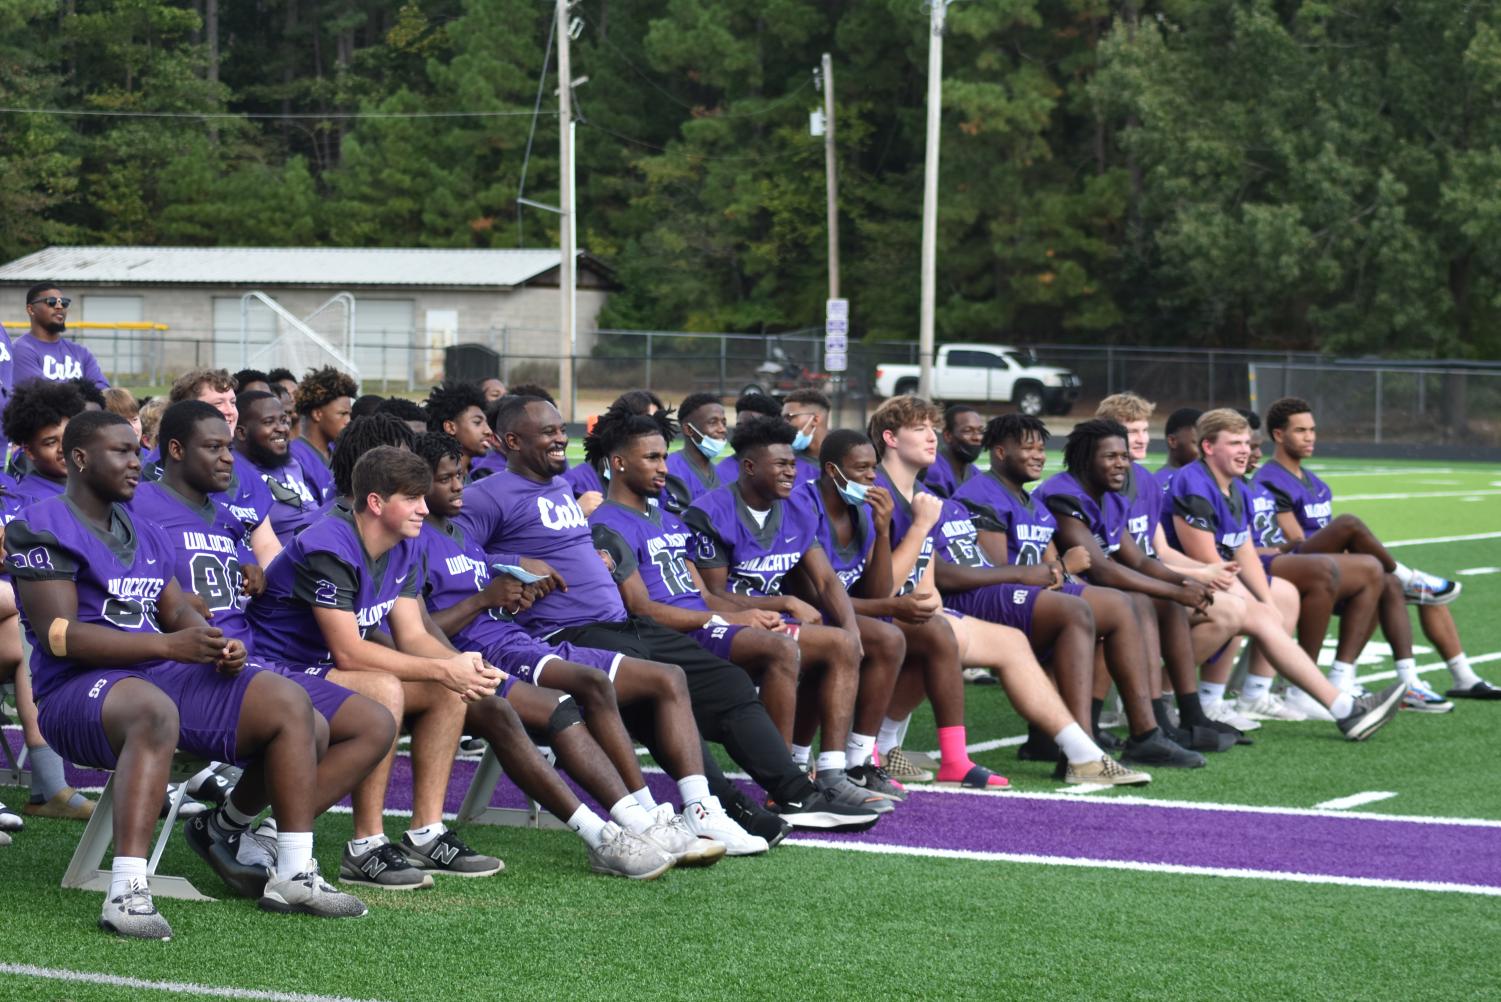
836,333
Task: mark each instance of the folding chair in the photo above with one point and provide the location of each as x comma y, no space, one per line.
476,806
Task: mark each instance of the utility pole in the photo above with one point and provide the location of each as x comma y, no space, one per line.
938,9
566,337
831,174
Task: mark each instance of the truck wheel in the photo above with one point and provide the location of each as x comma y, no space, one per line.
906,386
1029,400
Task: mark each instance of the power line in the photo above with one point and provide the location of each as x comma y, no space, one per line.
99,113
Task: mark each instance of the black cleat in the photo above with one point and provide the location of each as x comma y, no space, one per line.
220,851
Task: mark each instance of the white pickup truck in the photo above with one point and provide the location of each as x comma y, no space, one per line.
987,373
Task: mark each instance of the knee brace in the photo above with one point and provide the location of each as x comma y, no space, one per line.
564,716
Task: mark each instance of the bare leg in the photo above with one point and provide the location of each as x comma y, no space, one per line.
1439,627
1115,617
1009,653
495,720
369,795
676,742
885,650
596,697
833,651
140,723
438,723
578,752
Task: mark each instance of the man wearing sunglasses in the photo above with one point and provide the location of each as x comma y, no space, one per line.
44,353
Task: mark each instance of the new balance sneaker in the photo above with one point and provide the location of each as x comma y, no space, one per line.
384,866
1301,702
213,788
258,845
220,849
622,854
709,824
1372,712
1155,748
1269,707
900,767
1480,690
309,894
1105,771
839,809
133,915
1421,698
875,779
756,820
448,854
10,821
1222,711
1430,589
837,781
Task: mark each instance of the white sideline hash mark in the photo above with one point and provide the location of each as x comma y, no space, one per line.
1355,800
1416,494
1127,864
1444,539
181,987
1469,571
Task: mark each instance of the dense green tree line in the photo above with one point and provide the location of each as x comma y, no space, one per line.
1204,172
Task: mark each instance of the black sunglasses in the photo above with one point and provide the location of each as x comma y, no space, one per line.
62,301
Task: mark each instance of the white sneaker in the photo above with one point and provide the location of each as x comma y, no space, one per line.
1269,707
623,854
1421,697
309,894
1301,702
10,821
669,832
707,819
1221,711
133,915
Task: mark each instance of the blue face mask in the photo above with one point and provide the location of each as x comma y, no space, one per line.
607,473
849,490
804,438
710,447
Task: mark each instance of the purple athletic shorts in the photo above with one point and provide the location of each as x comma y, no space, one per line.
1266,561
1005,604
717,640
1072,588
523,658
327,696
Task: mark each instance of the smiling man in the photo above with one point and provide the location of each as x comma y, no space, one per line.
262,450
44,353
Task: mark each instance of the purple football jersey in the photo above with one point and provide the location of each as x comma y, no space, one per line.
1025,520
34,487
1145,505
695,482
314,468
507,515
583,478
1307,497
56,361
11,501
210,546
491,462
956,538
1265,530
848,561
1198,501
294,499
654,544
757,557
728,470
247,497
901,522
940,478
326,565
1065,497
119,574
7,381
453,569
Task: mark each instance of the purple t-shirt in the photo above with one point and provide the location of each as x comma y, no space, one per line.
1025,521
1307,497
210,544
314,468
491,462
940,478
1198,501
583,478
901,523
848,561
507,515
56,361
292,499
119,575
1106,519
326,565
757,557
655,544
34,487
7,382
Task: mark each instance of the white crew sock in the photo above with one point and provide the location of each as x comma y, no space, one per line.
830,761
647,801
425,834
293,852
801,754
1077,746
588,826
360,846
890,735
121,872
1343,706
1255,687
858,748
1211,693
692,789
1407,670
1464,675
1342,676
630,815
236,817
1402,573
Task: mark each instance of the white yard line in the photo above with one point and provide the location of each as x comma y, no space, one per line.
1355,800
176,987
1444,539
1383,676
1410,495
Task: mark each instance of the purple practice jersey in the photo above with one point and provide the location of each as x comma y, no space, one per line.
509,516
583,478
294,500
1145,504
119,575
491,462
957,539
247,497
655,544
1306,496
1025,521
1106,519
695,482
210,544
326,565
728,469
454,569
940,478
7,383
756,556
1265,530
849,561
314,468
55,361
11,502
34,487
1198,501
901,522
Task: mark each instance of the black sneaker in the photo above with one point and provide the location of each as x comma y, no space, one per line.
874,779
1038,749
1372,712
220,849
755,819
385,866
822,809
447,854
1156,748
1108,741
215,788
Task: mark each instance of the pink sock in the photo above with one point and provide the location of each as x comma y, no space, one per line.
954,756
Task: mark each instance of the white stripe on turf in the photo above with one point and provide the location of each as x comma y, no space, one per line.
1122,864
1355,800
1346,498
1443,539
1384,676
178,987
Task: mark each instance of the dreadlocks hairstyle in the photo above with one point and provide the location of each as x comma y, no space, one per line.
180,420
1012,428
1124,407
619,425
1183,417
360,436
245,377
449,399
531,390
436,446
1277,415
321,387
37,404
839,444
695,402
387,471
406,410
905,411
951,414
368,404
760,432
188,385
1078,451
757,403
90,391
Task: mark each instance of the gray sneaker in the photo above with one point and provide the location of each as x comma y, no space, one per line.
309,894
258,846
384,866
132,914
622,854
874,779
1372,712
447,854
843,793
670,833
